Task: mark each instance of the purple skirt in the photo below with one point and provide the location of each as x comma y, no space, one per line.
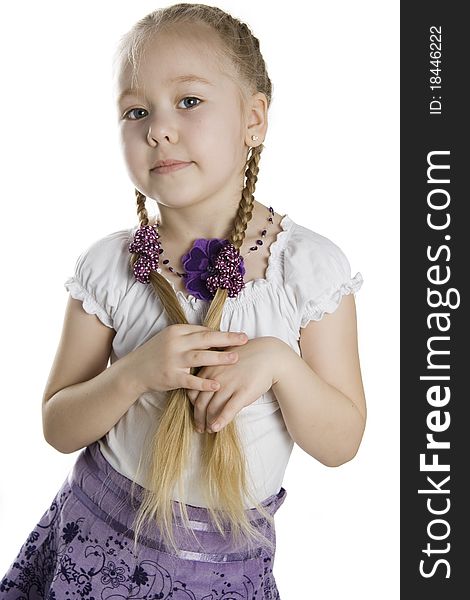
83,548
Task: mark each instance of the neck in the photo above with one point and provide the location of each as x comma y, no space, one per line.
177,225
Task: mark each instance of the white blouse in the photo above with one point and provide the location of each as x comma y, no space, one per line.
306,277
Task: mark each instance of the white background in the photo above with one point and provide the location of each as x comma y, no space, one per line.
331,162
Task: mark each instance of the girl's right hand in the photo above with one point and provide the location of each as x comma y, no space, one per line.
163,363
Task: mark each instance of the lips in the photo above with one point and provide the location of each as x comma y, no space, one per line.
172,166
169,162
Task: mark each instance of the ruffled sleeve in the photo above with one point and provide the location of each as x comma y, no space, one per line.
100,277
317,275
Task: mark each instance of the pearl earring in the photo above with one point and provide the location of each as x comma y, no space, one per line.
254,137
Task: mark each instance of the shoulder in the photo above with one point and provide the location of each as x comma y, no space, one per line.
102,274
311,254
110,246
317,273
107,256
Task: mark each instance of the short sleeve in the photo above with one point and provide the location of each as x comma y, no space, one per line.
100,276
317,275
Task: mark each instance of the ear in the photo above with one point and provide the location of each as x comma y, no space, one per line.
257,119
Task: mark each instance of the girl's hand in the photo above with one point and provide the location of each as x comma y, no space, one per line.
251,373
163,363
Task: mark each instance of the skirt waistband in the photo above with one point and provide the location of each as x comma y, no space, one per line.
107,494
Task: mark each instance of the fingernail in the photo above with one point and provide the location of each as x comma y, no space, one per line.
216,426
242,336
215,386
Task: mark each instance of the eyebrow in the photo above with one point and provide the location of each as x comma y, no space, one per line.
178,79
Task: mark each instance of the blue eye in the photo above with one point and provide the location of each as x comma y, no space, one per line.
191,98
143,109
131,111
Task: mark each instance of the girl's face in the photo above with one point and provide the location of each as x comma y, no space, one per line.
190,120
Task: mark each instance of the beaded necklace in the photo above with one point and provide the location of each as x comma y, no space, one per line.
259,242
209,264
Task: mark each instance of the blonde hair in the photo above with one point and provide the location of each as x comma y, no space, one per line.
223,461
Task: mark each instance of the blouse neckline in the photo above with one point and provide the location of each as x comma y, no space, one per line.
253,286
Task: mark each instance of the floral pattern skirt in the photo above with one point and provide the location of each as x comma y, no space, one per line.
83,547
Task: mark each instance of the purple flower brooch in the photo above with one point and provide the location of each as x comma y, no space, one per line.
209,264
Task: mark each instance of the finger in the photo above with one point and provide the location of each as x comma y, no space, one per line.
206,358
192,395
192,382
230,410
212,339
200,409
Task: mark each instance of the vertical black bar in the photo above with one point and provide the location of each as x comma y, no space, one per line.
435,357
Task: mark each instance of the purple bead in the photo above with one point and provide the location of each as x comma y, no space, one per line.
259,242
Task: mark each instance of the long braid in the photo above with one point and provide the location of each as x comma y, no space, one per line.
214,453
163,287
245,208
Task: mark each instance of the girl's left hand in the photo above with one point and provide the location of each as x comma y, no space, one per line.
242,382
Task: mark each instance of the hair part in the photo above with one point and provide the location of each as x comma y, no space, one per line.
223,463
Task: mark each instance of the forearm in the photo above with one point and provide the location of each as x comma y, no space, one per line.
82,413
320,419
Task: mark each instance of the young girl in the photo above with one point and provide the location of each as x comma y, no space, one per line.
231,333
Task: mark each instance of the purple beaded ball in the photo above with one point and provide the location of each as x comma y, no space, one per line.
147,245
210,264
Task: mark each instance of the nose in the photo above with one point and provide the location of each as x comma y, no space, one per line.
160,133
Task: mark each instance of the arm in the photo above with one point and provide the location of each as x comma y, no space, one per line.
76,414
320,394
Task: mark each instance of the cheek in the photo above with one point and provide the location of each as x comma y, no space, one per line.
218,138
202,133
134,160
131,149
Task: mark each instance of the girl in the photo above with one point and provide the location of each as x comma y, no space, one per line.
231,333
